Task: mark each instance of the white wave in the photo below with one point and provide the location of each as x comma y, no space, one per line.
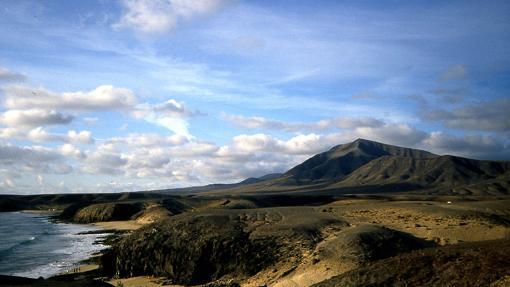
76,247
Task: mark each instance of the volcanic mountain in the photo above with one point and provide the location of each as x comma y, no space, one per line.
342,160
370,166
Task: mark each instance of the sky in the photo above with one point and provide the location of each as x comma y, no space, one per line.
111,96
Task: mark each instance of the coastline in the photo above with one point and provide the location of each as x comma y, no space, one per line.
52,211
117,228
73,231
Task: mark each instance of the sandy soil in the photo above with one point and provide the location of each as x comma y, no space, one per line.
441,222
139,281
119,225
82,268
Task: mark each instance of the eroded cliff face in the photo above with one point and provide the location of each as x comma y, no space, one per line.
231,245
192,250
101,212
258,246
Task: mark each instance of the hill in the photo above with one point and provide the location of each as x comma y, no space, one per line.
342,160
365,166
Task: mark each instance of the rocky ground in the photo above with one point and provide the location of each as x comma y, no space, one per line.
241,241
390,240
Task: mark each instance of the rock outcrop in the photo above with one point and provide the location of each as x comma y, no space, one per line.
101,212
221,244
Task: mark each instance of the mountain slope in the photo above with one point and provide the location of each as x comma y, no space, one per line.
437,171
368,166
342,160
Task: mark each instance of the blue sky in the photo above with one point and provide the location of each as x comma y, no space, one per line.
132,95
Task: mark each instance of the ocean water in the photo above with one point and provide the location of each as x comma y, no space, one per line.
31,245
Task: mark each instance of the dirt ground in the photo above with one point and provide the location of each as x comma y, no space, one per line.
440,222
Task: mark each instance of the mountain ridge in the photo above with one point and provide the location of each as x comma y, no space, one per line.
341,160
364,163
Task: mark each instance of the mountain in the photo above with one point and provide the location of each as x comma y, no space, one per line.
440,170
251,180
342,160
220,186
369,166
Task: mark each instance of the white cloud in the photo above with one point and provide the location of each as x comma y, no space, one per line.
397,134
149,140
83,137
72,151
105,97
104,162
264,123
158,16
39,134
179,160
171,108
31,107
29,159
170,115
34,118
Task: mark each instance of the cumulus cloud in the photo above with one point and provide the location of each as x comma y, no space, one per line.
189,160
397,134
158,16
300,144
71,151
170,115
39,134
485,116
149,140
82,137
185,161
105,97
29,107
172,108
28,153
264,123
10,76
34,118
455,72
35,159
103,161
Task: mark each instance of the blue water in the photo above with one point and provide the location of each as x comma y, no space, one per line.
32,246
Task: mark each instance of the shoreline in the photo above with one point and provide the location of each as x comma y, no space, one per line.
87,264
109,230
115,228
41,211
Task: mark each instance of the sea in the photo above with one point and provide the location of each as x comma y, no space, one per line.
33,245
